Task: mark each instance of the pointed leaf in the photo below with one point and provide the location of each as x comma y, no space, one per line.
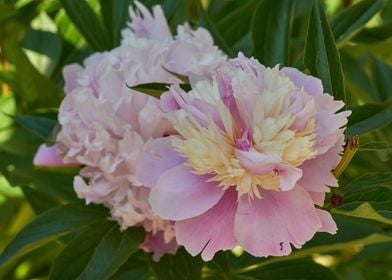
87,22
49,226
351,20
321,55
271,27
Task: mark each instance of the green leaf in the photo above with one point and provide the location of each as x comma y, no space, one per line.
321,55
41,126
382,74
49,226
292,270
218,38
242,17
156,89
115,17
89,25
178,267
369,197
369,117
374,34
74,258
39,201
352,19
34,90
271,27
112,251
367,180
375,146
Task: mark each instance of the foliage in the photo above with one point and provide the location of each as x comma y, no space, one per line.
47,233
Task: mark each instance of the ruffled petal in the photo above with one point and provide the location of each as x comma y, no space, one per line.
158,157
179,194
47,156
267,226
211,231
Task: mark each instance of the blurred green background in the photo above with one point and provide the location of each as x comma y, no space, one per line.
39,37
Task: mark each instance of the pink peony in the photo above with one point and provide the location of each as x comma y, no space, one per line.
253,156
105,125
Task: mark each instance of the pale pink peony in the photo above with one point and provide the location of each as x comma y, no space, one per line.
105,125
253,156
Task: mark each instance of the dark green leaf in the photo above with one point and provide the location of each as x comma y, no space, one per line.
374,34
112,251
115,17
366,181
41,126
292,270
87,22
34,90
351,20
156,89
382,74
74,258
368,117
375,146
271,27
39,201
182,78
49,226
234,25
182,266
321,55
218,39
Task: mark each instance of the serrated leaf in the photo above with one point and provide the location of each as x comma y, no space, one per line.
41,126
111,252
271,36
87,22
321,54
49,226
352,19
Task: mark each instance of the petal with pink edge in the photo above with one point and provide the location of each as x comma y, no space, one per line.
267,226
311,85
179,194
327,223
211,231
158,157
47,156
322,166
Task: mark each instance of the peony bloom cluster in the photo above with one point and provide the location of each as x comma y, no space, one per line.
244,158
105,125
253,156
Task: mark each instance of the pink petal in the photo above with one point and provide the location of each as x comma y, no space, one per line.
327,223
47,156
71,75
267,226
156,244
179,194
317,173
158,157
211,231
311,85
259,163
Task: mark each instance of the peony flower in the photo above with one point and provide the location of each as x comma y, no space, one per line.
105,125
252,157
